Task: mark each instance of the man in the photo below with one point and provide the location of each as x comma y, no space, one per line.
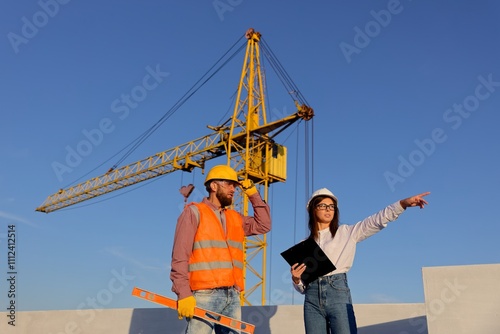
207,256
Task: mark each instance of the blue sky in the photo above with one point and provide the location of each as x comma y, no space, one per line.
406,96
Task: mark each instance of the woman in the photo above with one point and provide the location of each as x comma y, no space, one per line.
327,304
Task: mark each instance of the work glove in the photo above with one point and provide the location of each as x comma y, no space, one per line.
185,307
248,187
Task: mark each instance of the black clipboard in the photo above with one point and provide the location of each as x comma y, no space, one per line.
316,261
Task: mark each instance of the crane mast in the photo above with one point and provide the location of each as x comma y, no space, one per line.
248,142
248,158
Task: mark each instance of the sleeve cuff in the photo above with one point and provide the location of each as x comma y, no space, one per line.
184,293
299,287
398,209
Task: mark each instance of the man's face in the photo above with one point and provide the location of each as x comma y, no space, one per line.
225,192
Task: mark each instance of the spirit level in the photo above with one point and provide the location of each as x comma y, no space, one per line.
216,318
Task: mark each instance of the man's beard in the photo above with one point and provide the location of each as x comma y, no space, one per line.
223,199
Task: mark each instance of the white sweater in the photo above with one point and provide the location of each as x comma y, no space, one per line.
341,249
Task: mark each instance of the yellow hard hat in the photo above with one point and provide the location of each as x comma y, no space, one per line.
221,172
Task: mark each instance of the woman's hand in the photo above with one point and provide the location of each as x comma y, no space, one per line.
414,201
297,270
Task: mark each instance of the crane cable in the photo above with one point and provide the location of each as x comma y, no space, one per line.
296,201
297,133
296,95
132,146
282,74
138,141
309,129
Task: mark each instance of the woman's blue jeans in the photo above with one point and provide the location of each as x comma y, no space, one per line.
225,301
328,306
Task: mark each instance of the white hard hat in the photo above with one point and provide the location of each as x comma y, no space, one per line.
321,192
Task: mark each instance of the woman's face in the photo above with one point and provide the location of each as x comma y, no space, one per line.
325,211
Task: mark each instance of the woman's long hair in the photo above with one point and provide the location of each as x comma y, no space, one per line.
313,226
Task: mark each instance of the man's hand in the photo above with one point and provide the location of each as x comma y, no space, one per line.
414,201
185,307
248,187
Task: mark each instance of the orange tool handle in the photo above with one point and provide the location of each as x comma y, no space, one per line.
214,317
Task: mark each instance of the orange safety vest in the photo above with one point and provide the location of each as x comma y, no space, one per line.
217,258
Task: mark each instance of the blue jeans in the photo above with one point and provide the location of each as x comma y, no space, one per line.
225,301
328,306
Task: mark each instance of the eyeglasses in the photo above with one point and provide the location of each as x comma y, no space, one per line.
228,183
323,206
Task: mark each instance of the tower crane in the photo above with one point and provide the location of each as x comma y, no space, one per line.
247,139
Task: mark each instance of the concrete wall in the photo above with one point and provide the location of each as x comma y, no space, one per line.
391,318
460,299
372,319
463,299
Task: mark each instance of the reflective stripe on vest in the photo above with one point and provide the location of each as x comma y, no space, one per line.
217,258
